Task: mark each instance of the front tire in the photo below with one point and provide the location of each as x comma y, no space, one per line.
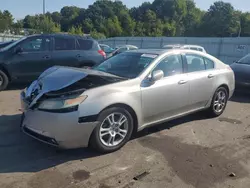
4,81
113,131
219,102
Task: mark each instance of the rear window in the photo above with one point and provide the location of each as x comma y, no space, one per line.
84,44
64,44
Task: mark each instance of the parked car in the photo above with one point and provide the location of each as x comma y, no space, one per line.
102,107
4,44
190,47
27,58
122,48
241,70
107,49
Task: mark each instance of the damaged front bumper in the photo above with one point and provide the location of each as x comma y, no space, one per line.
57,129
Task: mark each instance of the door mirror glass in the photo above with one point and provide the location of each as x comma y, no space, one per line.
157,75
18,50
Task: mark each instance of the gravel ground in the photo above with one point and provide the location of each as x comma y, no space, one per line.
189,152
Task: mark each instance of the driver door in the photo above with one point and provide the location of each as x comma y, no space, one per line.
169,96
33,59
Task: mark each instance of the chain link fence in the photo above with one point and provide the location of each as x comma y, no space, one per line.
226,49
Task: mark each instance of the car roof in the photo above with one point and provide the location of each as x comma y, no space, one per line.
150,51
126,45
64,35
162,51
182,45
195,46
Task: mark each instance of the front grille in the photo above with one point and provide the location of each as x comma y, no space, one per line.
43,138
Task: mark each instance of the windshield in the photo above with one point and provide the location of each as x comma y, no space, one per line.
245,60
12,44
127,65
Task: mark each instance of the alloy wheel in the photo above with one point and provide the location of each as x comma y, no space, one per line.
114,129
220,101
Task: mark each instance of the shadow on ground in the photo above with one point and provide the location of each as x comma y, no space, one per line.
170,124
241,97
19,153
17,86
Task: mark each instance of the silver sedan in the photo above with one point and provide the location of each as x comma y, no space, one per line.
102,107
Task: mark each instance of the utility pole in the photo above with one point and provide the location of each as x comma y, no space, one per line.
44,7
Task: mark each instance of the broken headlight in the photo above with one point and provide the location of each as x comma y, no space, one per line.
61,103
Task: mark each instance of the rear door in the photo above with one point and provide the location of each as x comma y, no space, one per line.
201,78
64,51
34,58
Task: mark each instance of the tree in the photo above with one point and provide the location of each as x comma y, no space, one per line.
113,27
96,35
192,20
220,20
127,23
245,24
152,25
6,21
69,16
109,18
76,30
56,17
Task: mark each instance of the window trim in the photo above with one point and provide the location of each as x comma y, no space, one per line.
183,65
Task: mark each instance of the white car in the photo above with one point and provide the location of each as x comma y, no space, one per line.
189,47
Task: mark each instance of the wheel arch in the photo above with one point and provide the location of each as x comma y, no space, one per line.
225,86
2,68
129,109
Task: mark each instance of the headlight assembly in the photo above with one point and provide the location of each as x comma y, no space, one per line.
61,103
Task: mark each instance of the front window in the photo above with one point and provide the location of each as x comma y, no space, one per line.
128,65
171,65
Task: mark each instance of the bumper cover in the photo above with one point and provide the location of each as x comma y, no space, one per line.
57,129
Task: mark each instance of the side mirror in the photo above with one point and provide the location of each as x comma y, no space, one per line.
18,50
157,75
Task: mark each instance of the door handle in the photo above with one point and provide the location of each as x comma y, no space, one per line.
210,76
182,82
78,56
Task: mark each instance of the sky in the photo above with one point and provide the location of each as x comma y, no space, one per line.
20,8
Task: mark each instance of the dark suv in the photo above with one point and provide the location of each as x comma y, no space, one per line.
27,58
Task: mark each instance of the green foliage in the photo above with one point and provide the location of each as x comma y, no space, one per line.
106,18
76,30
97,35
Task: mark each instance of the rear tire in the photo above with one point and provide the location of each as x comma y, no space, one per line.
4,81
219,102
113,131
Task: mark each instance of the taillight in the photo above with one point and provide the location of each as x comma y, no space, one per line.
102,53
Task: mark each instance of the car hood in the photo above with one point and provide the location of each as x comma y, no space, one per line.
58,81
